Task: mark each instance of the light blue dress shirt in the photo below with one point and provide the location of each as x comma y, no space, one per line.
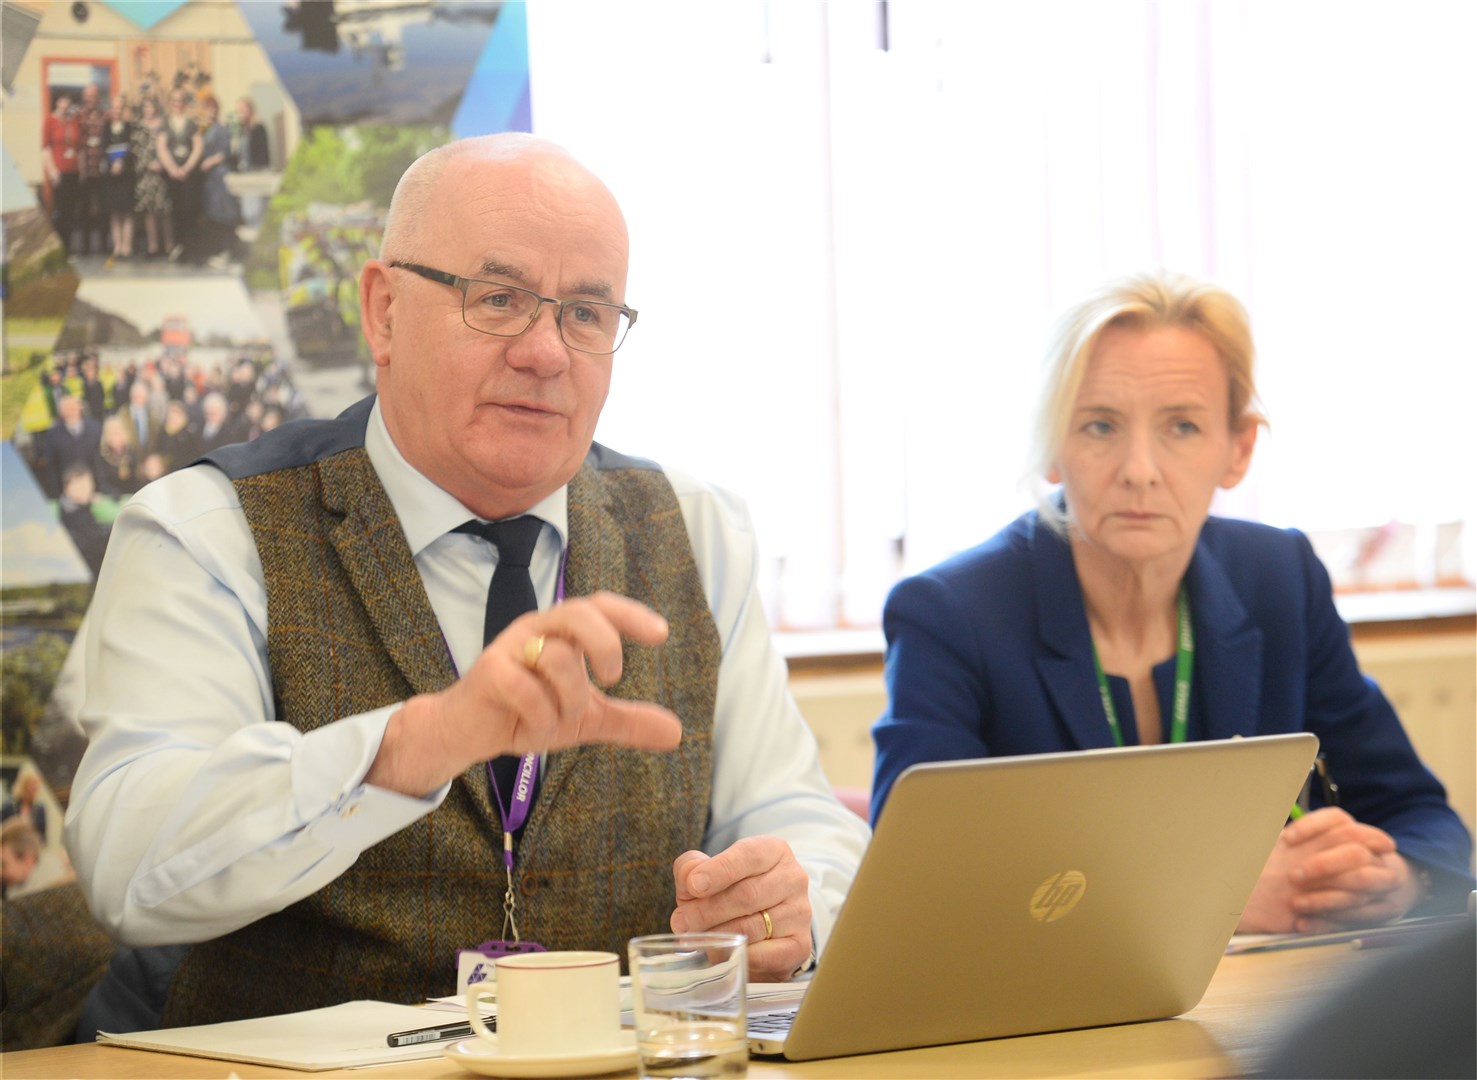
194,812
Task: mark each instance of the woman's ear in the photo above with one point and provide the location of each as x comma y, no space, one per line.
1242,444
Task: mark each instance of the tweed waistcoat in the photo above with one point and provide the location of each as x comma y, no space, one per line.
350,628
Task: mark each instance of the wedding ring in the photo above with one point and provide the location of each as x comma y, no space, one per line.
768,925
533,648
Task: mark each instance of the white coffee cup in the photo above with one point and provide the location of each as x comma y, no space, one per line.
552,1003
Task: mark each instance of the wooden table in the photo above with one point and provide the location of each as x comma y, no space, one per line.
1250,1002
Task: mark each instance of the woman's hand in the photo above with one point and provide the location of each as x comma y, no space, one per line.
1330,872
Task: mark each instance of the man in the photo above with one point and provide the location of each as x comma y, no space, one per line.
94,394
74,510
319,578
142,421
20,848
72,440
219,426
240,388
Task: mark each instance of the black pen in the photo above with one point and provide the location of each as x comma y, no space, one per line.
437,1034
1330,789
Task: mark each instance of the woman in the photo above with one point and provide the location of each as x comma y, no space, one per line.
249,153
1063,631
61,141
117,464
249,150
92,170
151,185
180,149
220,213
118,180
24,802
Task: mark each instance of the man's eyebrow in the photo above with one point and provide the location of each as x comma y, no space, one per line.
493,268
506,272
592,288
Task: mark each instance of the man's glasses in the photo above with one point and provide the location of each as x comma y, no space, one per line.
491,307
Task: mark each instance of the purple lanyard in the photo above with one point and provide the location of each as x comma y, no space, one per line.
514,811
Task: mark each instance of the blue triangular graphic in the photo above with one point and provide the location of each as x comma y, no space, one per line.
497,97
145,12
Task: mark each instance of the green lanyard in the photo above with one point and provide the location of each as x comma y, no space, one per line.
1184,635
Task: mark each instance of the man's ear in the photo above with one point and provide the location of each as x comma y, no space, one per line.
376,305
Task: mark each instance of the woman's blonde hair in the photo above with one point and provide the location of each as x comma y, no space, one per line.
1146,301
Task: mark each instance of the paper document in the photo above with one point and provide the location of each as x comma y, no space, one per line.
338,1037
1245,943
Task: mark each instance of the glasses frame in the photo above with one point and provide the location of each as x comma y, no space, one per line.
461,284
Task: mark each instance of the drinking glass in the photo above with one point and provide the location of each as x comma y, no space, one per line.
688,997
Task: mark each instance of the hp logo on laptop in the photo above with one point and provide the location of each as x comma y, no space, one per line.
1058,895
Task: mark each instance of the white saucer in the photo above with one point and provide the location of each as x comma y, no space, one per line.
485,1057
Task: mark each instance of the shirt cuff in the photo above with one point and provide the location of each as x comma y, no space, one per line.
360,815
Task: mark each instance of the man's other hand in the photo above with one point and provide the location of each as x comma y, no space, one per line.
732,892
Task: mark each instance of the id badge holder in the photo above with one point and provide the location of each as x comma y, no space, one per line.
479,964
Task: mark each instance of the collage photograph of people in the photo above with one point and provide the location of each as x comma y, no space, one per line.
406,566
143,175
167,294
116,429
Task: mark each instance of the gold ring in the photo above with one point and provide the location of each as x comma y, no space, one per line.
768,925
533,648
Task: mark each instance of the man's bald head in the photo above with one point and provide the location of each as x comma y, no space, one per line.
417,195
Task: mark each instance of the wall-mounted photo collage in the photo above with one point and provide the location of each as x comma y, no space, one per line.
189,192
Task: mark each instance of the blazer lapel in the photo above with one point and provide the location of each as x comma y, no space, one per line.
1065,661
1228,650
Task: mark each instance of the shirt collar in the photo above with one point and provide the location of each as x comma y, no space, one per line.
428,512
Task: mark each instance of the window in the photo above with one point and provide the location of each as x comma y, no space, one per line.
896,200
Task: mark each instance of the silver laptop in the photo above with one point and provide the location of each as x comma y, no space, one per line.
1015,895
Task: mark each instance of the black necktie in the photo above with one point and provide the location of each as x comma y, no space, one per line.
510,595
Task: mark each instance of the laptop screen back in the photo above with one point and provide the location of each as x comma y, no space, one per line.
1016,895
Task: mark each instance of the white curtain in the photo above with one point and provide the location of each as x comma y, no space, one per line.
852,224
